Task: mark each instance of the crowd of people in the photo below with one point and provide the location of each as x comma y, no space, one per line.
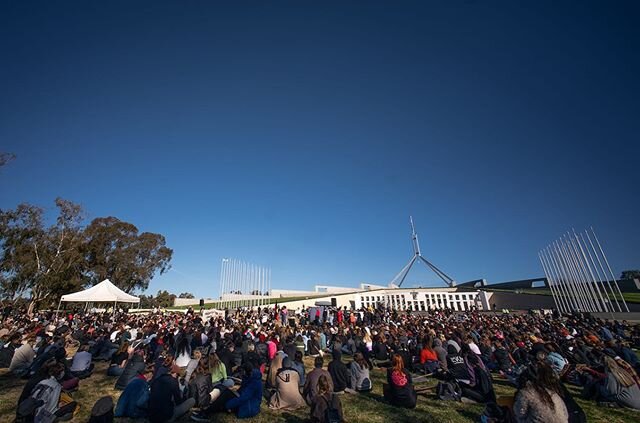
168,365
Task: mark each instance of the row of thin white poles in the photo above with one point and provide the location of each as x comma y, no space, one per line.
579,275
243,284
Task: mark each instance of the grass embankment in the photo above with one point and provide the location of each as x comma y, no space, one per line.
364,408
269,301
630,297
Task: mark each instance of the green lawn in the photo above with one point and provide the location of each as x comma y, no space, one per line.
357,408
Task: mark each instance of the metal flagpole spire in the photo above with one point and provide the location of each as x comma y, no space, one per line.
417,256
615,282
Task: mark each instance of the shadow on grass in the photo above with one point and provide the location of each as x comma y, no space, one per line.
292,418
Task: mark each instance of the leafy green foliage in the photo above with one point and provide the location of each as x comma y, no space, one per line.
49,261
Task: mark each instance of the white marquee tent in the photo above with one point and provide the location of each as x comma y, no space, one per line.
104,292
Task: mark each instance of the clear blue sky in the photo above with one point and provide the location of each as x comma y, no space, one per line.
301,135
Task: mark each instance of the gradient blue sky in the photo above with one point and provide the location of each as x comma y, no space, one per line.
301,135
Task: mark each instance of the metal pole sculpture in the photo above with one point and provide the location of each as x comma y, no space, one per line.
576,270
417,256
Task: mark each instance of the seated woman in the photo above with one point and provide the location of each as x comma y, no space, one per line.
287,394
482,388
538,398
245,403
218,372
135,365
399,388
615,385
193,365
119,360
428,357
200,385
325,399
360,379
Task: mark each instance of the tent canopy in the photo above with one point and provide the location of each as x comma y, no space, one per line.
104,292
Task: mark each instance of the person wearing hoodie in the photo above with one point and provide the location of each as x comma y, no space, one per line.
440,352
340,375
287,394
134,400
360,379
456,365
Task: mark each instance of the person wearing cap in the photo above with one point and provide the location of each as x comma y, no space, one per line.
166,402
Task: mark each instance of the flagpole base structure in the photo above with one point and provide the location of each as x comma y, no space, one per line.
398,280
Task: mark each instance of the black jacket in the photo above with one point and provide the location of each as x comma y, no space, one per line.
134,367
199,388
164,396
340,375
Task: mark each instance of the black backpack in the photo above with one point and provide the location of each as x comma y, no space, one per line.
6,355
331,414
449,391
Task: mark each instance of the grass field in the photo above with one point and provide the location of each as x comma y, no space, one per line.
362,408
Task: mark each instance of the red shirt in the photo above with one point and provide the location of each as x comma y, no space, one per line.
426,355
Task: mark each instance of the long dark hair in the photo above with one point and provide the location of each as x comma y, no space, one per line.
542,379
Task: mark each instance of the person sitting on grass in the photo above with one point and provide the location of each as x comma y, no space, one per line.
310,389
428,357
218,372
166,402
134,400
287,394
340,375
49,391
81,366
398,390
298,366
360,379
23,358
119,360
200,385
135,365
538,399
616,386
481,390
245,403
325,405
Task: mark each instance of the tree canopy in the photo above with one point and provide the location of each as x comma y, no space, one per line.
48,261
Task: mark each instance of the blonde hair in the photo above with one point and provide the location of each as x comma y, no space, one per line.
620,374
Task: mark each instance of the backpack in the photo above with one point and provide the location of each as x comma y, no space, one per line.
331,414
6,355
449,391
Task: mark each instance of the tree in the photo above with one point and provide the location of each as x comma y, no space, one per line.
186,295
630,274
164,299
45,261
114,249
